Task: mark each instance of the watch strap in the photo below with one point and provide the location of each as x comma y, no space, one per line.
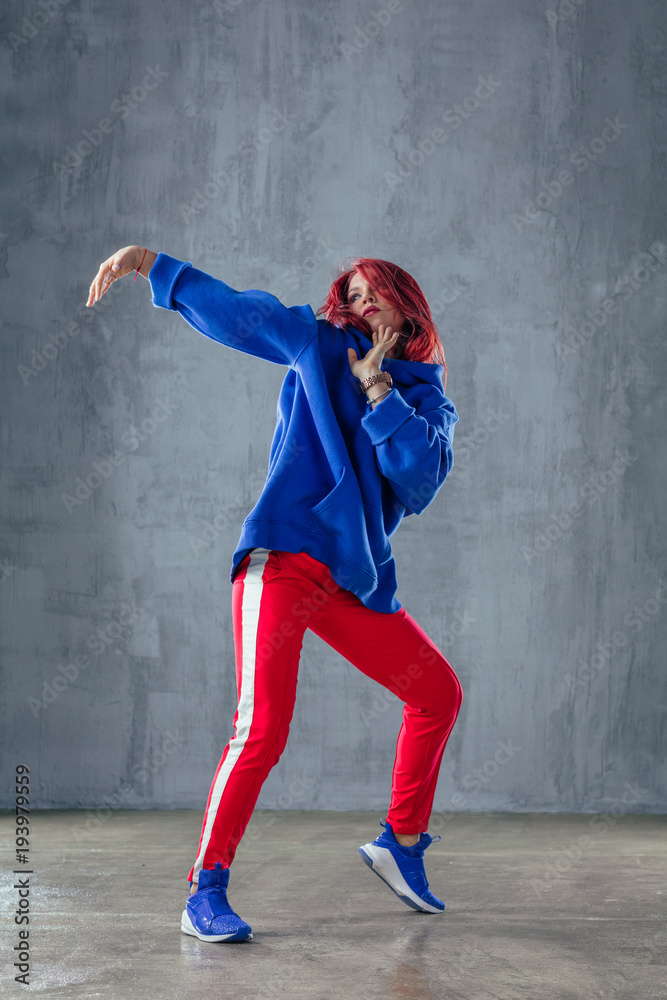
366,383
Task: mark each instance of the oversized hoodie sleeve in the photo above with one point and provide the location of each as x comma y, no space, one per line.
413,449
252,321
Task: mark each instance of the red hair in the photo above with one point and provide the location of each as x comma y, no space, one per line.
420,340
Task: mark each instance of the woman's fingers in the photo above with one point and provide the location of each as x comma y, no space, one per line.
117,266
385,335
91,295
100,283
383,339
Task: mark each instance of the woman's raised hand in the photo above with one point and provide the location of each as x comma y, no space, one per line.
120,263
371,363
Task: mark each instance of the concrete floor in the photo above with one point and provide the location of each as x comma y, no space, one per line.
529,914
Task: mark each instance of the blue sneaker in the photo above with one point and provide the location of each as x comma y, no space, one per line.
402,868
208,915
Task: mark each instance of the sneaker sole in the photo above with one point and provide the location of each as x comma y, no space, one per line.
188,928
381,861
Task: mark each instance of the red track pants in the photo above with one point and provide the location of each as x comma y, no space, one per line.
276,596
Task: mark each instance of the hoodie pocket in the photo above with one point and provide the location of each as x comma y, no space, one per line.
331,498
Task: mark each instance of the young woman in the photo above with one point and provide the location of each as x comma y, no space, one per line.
363,439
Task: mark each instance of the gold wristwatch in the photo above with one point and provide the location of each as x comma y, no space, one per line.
373,379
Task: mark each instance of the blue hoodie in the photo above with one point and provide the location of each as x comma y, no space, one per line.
341,476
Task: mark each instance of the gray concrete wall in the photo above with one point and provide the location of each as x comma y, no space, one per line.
510,156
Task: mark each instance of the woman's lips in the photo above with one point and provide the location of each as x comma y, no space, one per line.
370,311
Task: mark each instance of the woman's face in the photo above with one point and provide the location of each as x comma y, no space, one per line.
361,296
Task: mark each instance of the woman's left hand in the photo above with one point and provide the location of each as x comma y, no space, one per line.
371,363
